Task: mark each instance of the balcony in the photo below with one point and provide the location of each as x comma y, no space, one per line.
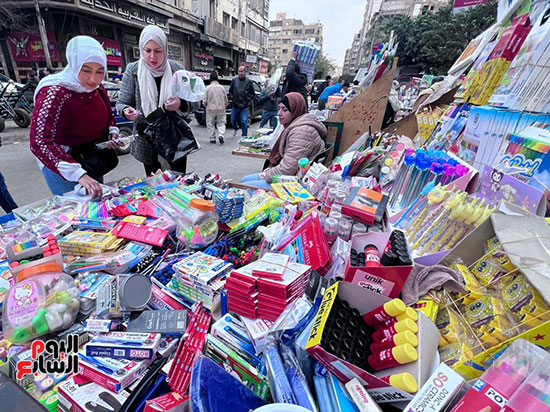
217,30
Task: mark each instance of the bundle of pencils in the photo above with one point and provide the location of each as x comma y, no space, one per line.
188,350
361,162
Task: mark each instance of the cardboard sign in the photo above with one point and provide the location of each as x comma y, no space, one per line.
366,109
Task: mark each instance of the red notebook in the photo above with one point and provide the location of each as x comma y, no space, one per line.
140,233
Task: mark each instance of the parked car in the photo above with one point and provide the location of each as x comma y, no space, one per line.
255,110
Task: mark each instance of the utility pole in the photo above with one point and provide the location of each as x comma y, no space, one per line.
43,35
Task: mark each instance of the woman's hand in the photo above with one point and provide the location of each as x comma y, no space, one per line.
92,186
114,145
172,104
130,113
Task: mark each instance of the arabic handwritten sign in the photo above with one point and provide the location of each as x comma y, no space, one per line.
125,12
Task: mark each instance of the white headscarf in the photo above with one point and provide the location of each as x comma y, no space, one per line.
80,50
149,94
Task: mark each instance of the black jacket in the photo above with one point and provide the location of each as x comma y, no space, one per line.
295,82
270,103
241,92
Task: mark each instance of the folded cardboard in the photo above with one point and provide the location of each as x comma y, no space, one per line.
365,301
513,226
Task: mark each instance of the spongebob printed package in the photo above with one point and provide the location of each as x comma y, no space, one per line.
498,306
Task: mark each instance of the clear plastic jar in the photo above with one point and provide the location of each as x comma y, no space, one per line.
44,300
198,226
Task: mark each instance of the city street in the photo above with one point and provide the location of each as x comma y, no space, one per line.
27,185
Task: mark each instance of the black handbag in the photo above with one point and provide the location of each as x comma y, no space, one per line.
170,136
96,162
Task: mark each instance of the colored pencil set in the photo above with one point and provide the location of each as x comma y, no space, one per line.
188,349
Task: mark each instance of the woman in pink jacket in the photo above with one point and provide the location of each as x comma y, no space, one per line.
302,137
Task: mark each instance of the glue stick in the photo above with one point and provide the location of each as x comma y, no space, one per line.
394,329
395,340
385,312
404,381
399,355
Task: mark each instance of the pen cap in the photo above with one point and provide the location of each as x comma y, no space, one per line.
404,381
405,337
303,162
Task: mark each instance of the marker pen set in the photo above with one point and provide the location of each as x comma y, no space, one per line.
381,339
420,168
441,218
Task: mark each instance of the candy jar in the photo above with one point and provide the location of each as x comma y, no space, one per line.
43,300
198,226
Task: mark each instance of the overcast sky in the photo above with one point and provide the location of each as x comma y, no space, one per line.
341,20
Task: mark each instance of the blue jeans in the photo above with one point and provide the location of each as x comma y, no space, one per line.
6,201
240,116
58,185
269,116
254,180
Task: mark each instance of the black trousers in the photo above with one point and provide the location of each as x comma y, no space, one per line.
181,166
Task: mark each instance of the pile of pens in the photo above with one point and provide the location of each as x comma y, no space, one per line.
441,218
95,210
420,168
188,349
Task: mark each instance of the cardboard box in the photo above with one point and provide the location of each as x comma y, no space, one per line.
365,301
472,248
385,280
78,394
438,392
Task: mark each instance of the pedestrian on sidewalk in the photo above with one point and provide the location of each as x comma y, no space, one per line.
270,101
295,80
300,138
145,88
241,94
215,102
72,113
6,201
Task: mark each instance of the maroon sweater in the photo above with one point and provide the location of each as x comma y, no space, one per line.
62,117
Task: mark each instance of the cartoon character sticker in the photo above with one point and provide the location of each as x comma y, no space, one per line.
23,302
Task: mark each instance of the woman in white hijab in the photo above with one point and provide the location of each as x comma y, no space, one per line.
145,88
72,109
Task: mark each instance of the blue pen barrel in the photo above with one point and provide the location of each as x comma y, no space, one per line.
297,380
278,381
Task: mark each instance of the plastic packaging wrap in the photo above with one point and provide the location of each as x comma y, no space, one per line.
278,381
188,86
297,379
39,304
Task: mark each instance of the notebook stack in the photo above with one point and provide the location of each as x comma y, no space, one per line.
274,296
242,291
266,287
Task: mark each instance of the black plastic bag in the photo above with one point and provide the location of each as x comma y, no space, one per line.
170,135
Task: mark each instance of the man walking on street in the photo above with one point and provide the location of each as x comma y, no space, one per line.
295,80
241,93
215,102
270,100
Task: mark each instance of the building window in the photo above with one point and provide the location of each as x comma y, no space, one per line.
212,9
234,23
285,50
243,29
310,31
317,39
297,31
286,41
225,19
277,23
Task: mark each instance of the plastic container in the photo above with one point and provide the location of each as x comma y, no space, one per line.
44,300
198,226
